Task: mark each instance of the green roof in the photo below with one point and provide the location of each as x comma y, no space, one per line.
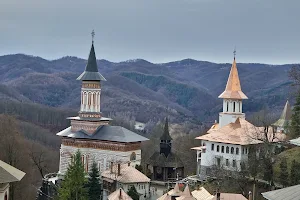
91,72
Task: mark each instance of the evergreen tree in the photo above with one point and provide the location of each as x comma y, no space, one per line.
93,185
295,120
294,174
283,176
133,193
73,185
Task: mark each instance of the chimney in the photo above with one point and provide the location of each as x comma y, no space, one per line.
119,169
250,195
111,167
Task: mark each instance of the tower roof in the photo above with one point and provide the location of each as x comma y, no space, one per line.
285,115
91,70
233,88
166,134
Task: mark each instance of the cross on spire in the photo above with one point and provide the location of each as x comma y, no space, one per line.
93,35
234,52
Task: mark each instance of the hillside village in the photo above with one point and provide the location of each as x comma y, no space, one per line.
233,158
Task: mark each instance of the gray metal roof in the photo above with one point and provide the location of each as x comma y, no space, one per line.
289,193
9,173
106,133
91,70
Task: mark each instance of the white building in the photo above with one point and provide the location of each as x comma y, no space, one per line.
91,133
227,143
125,176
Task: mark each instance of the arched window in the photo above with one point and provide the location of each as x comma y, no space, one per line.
218,148
232,150
237,151
234,163
227,149
234,106
212,147
133,156
239,106
222,149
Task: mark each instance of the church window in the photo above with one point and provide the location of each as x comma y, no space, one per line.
234,163
212,147
227,106
237,151
227,149
239,106
233,106
218,148
227,162
222,149
133,156
243,150
232,150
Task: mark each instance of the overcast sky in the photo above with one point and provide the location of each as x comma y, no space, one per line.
265,31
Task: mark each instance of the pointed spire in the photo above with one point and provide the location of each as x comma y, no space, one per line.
285,115
91,70
166,134
233,87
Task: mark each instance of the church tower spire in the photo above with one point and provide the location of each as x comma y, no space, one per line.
91,87
232,98
165,140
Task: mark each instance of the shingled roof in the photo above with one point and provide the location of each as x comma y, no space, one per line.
289,193
233,88
159,159
166,134
91,70
106,133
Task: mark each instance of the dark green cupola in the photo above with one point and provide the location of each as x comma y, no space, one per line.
91,72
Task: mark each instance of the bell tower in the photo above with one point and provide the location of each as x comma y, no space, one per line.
232,98
166,140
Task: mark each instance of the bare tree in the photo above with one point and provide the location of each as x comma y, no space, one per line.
38,158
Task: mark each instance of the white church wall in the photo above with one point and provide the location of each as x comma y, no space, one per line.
101,157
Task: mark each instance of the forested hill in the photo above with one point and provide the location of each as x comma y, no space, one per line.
183,90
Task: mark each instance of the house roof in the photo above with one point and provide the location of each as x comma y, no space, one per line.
241,132
174,192
288,193
9,173
160,159
186,195
106,133
118,195
202,194
285,116
128,174
91,70
230,196
233,87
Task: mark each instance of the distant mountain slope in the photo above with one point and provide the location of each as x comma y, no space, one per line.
182,89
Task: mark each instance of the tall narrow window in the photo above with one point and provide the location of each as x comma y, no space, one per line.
227,162
227,149
212,147
239,106
227,106
233,106
237,151
222,149
234,163
218,148
232,150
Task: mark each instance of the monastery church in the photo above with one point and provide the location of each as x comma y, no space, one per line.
90,131
227,143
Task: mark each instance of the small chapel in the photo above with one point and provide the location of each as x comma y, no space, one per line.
226,144
90,131
166,165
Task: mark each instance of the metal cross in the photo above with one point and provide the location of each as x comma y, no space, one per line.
93,35
234,52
